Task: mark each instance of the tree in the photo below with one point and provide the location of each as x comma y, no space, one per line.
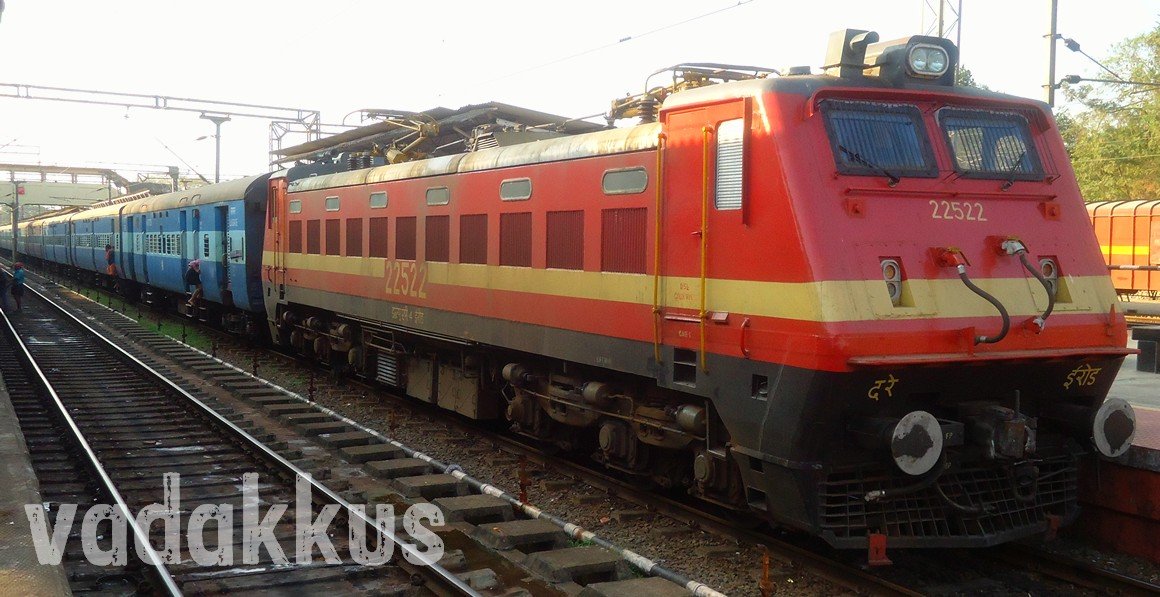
965,78
1114,140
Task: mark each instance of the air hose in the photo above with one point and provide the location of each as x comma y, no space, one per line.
962,269
893,492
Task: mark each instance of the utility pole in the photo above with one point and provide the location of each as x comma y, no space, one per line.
1051,37
944,21
17,191
217,141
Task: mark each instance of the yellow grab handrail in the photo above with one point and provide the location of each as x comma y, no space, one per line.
706,133
661,138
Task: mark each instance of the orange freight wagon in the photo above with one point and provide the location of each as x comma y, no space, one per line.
1129,237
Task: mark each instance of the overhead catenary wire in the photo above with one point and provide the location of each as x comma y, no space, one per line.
617,42
187,165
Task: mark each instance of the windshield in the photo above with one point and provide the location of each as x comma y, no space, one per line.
990,144
873,138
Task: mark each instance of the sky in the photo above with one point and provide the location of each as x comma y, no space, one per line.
339,56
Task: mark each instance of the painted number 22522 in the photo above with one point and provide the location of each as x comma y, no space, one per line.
406,278
957,210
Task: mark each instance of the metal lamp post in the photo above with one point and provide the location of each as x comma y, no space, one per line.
217,139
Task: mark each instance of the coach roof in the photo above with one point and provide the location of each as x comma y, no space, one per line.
225,191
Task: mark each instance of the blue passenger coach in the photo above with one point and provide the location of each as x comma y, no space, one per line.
155,238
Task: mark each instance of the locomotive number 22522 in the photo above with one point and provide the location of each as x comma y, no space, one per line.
957,210
406,278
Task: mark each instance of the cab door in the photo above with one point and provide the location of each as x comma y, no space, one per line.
703,156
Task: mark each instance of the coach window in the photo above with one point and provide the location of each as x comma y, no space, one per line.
296,206
878,139
628,181
730,164
332,204
995,145
438,196
378,200
516,189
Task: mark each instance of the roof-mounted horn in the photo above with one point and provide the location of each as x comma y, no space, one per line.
846,52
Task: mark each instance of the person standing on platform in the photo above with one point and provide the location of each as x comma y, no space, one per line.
18,284
3,288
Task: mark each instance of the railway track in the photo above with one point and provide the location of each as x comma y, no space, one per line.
103,427
848,573
1074,572
540,562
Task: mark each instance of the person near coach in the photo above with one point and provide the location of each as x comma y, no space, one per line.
18,284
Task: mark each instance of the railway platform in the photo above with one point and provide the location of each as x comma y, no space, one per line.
20,572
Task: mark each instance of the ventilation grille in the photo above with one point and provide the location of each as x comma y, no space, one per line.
485,141
387,369
730,162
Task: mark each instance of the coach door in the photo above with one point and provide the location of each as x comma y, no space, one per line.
703,154
127,251
277,235
221,225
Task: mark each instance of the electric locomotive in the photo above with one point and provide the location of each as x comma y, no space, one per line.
866,303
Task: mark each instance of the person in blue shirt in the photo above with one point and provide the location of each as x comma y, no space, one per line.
18,283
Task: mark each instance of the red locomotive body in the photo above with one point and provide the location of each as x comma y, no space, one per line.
858,303
1129,237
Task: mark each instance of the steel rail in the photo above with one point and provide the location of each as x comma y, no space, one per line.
163,577
250,441
1074,572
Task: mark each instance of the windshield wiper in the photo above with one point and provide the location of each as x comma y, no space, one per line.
857,157
1011,172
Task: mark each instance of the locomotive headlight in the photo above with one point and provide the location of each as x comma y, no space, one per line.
927,60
